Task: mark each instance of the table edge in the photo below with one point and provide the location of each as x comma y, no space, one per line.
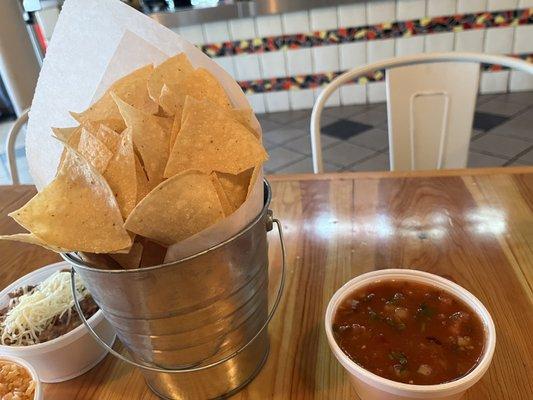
403,174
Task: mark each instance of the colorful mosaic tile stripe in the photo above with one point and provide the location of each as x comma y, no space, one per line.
386,30
317,80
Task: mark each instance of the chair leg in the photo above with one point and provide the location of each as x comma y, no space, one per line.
10,146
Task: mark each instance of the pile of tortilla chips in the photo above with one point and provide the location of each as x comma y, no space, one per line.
161,156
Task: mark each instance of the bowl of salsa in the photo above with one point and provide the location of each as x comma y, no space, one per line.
407,334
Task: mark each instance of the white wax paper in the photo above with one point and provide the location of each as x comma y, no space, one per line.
95,42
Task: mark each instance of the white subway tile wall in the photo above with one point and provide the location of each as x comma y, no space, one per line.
193,33
273,65
410,9
296,22
352,15
227,63
242,29
353,94
520,81
323,19
378,50
352,55
247,67
439,42
523,39
277,101
409,46
438,8
332,58
333,101
494,82
471,6
301,99
471,40
257,102
216,32
268,25
499,40
376,92
325,58
380,11
497,5
299,62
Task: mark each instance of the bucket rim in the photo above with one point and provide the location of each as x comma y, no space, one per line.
72,259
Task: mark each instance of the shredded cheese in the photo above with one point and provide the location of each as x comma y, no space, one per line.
34,311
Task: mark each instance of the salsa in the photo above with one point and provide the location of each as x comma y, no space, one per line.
409,332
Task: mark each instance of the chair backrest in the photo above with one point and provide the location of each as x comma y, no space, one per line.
430,111
10,146
431,101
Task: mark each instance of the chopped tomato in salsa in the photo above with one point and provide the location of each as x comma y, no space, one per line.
409,332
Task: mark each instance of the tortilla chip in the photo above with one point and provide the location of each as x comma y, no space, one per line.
169,72
227,207
107,136
150,139
235,186
64,134
177,209
244,116
210,140
199,84
143,187
253,179
130,260
164,122
170,102
132,89
94,151
176,126
113,122
76,211
31,239
121,176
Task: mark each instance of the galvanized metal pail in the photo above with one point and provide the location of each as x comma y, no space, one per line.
196,327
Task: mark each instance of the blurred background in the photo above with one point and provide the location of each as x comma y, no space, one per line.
283,52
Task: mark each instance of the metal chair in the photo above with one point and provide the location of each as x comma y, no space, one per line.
431,101
10,145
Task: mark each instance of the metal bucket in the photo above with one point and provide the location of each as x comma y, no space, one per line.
196,327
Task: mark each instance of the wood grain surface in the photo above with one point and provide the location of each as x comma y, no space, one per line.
472,226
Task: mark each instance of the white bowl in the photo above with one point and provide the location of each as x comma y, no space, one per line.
69,355
373,387
38,394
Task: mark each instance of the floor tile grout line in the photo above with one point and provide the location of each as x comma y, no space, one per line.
307,154
519,155
511,136
508,116
289,163
369,157
511,93
488,153
272,119
515,115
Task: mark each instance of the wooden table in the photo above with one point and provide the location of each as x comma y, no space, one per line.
472,226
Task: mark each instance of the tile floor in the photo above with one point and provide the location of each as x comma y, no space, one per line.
355,137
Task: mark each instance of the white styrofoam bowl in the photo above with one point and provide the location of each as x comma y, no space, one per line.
38,393
69,355
373,387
